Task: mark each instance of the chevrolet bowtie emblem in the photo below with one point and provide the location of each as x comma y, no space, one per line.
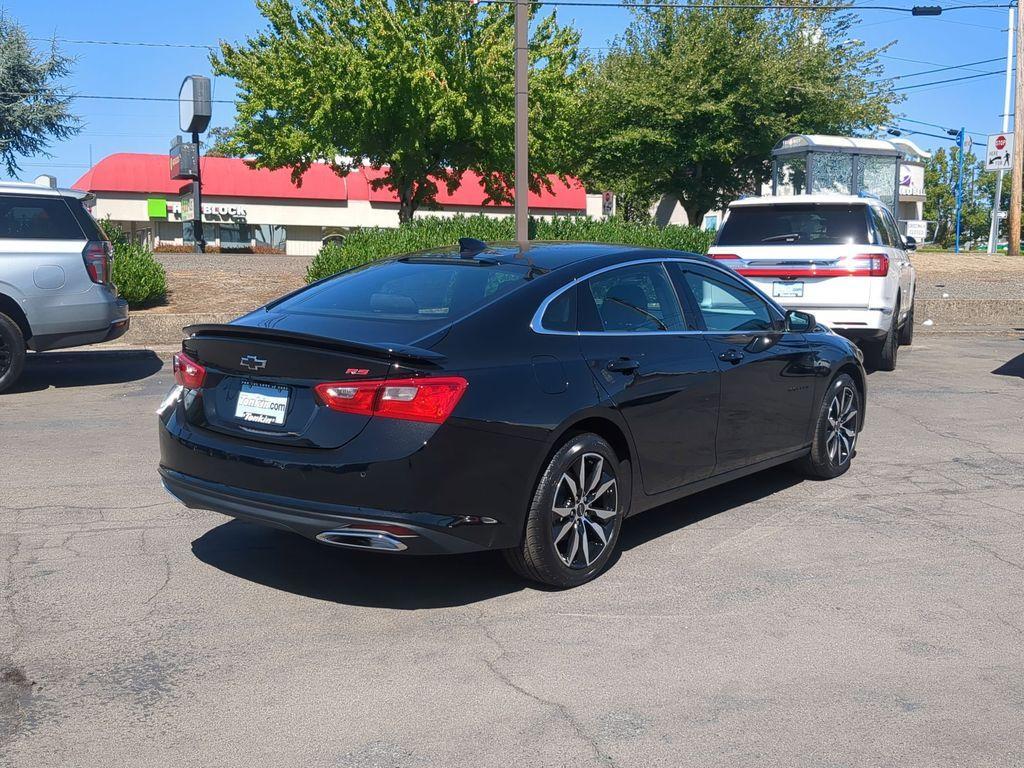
253,363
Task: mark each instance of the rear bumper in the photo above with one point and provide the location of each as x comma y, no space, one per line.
116,325
854,323
431,534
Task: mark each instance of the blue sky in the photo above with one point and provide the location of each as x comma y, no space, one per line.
919,44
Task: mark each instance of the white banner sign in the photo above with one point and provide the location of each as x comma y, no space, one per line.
917,229
999,153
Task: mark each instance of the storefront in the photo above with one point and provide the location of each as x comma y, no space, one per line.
257,209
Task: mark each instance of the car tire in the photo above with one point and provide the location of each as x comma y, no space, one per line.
881,355
12,352
907,330
558,549
835,431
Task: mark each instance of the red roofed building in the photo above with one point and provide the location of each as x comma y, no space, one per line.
244,206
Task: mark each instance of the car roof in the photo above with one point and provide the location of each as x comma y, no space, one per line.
802,200
550,255
28,188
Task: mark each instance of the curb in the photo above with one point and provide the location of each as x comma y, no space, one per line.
959,315
154,328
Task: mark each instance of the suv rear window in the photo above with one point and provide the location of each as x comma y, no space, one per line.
25,217
822,224
416,288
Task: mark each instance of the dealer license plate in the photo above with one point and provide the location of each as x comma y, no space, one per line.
262,403
787,290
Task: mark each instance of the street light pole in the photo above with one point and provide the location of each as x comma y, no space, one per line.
993,235
522,115
959,186
1013,215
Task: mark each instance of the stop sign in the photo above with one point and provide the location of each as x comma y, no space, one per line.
1000,142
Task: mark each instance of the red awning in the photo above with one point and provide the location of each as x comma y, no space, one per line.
222,177
231,177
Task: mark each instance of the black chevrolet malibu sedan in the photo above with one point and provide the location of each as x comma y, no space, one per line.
494,397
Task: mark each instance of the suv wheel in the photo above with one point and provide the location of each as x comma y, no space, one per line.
573,524
835,432
907,331
12,352
881,355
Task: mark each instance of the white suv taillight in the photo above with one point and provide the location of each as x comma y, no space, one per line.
98,256
861,265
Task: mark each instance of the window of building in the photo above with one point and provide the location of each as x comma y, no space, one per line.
271,236
234,235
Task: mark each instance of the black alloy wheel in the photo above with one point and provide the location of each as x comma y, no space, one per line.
574,521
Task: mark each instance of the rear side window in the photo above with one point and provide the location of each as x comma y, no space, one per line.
24,217
561,312
410,289
825,224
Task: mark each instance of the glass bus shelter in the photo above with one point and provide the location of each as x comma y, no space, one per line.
805,164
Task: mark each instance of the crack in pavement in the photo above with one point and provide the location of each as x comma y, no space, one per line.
561,709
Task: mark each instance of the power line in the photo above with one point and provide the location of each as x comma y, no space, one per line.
950,80
943,69
921,61
141,43
113,98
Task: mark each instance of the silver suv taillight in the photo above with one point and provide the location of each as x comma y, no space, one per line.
98,256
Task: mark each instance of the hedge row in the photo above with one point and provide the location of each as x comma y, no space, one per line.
372,244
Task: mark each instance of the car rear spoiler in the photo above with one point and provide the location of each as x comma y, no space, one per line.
383,349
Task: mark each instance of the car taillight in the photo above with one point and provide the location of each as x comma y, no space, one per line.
877,264
187,371
730,260
427,399
97,256
861,265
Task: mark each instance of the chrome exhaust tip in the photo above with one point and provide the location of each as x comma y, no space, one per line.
355,538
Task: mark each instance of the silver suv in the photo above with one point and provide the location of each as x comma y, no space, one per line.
55,264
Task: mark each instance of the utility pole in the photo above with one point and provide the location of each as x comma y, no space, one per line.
993,235
197,188
959,186
522,128
1013,215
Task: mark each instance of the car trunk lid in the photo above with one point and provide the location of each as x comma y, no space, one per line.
259,383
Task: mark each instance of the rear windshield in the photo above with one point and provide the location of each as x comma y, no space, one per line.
25,217
414,289
795,225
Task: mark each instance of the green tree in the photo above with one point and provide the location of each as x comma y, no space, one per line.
689,102
220,143
33,108
940,177
420,88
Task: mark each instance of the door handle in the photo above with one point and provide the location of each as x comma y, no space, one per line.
730,356
623,365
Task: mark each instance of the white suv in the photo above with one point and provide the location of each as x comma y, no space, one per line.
841,258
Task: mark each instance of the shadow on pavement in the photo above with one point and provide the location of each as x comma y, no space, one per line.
85,369
290,563
1012,367
649,525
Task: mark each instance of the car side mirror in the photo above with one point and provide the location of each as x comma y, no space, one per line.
800,322
910,243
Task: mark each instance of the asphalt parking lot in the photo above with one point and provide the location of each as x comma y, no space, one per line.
872,620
